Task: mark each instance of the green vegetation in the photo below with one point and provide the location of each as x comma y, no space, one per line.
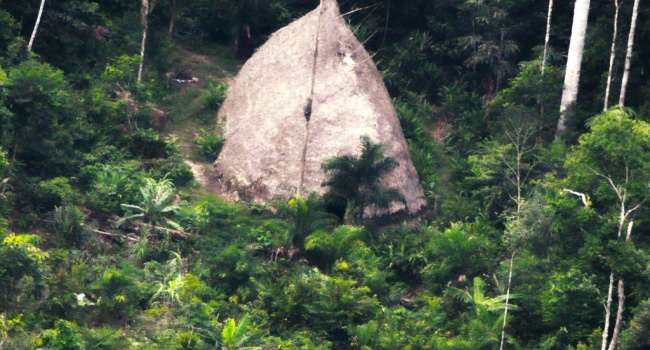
209,145
107,241
355,181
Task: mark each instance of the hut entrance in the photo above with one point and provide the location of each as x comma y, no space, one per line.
336,205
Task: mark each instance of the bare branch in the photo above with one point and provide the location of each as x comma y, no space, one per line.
633,209
585,201
609,179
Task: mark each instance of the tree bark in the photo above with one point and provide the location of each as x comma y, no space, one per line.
628,53
548,34
574,61
612,55
38,21
144,13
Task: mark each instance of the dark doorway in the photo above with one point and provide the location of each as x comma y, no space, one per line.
336,205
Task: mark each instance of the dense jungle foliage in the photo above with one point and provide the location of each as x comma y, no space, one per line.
107,241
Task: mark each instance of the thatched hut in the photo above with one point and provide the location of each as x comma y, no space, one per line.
308,94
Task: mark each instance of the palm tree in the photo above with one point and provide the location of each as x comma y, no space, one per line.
491,52
355,180
157,201
307,215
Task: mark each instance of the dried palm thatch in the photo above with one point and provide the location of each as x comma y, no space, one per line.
309,94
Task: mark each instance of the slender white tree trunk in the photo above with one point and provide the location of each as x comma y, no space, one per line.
619,315
144,13
572,74
608,311
505,311
548,34
38,21
612,55
621,300
628,53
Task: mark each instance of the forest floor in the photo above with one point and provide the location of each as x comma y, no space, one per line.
208,64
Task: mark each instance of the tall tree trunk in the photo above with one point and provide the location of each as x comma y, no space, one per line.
608,311
612,55
628,53
619,315
38,21
574,61
144,13
505,311
548,34
621,300
172,16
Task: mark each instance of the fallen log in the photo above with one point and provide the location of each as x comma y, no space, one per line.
115,235
290,253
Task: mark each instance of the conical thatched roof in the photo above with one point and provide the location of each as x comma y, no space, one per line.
309,94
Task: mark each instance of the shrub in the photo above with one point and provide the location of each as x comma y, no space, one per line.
174,169
119,292
111,185
69,222
105,338
214,96
149,144
461,250
49,193
209,145
65,335
324,248
21,269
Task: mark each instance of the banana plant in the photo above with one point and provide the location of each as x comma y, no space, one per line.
157,201
238,336
169,289
482,305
